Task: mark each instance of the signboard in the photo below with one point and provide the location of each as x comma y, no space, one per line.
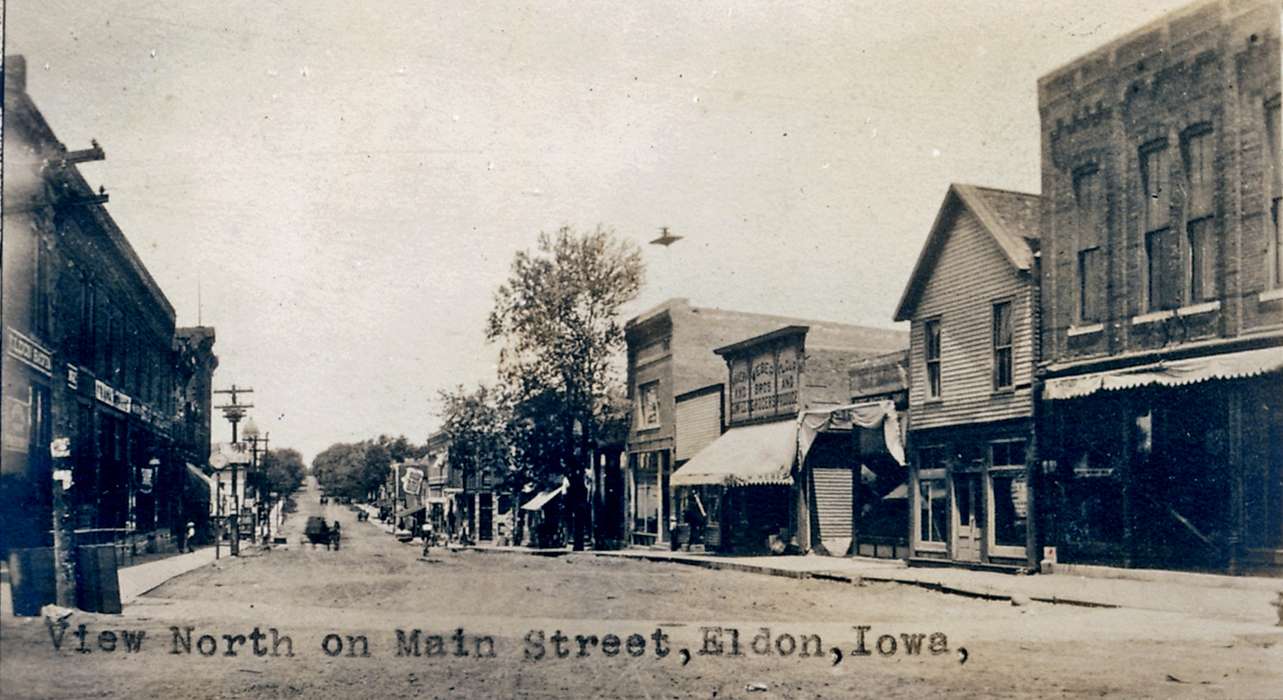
29,352
17,424
412,482
73,376
740,386
60,448
104,393
763,391
786,374
122,402
145,483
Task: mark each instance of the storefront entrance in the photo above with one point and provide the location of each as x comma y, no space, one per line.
968,499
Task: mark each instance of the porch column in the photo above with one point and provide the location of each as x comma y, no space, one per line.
1234,402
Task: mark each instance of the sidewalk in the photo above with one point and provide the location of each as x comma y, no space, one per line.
136,581
1219,597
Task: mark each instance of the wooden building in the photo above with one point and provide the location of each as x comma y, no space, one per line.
1162,296
971,301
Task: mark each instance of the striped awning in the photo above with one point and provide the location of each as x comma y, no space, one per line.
755,455
1236,365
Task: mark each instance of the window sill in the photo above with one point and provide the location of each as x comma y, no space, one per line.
932,402
1153,316
1270,295
1004,391
1206,307
1087,329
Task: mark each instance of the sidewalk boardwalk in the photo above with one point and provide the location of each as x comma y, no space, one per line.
1244,599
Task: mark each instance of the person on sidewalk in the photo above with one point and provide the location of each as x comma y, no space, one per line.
190,534
428,536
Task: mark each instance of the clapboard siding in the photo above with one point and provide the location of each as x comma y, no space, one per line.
969,276
699,423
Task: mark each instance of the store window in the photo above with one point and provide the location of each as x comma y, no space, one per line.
931,354
646,496
1002,345
933,500
1009,486
648,405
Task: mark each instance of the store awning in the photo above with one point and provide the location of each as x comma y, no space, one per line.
755,455
442,500
871,415
544,498
198,476
404,512
1237,365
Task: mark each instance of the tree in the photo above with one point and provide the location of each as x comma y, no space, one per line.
557,319
284,470
474,423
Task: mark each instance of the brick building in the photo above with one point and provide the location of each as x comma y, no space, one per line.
670,355
91,353
1161,433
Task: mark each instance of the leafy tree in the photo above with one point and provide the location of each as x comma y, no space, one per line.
474,422
557,319
284,470
357,470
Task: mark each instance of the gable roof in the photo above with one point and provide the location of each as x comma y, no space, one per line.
1010,218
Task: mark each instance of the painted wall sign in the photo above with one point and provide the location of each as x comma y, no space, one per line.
17,424
740,386
73,376
29,352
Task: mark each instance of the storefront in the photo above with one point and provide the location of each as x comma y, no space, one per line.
744,483
649,475
1175,464
24,460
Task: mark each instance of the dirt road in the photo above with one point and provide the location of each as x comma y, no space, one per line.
492,625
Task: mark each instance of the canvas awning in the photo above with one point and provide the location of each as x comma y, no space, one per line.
408,511
194,472
545,497
1236,365
872,415
755,455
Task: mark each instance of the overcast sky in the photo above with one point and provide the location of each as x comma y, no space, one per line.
346,183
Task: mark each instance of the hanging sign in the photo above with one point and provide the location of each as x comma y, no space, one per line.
145,483
413,481
73,376
60,448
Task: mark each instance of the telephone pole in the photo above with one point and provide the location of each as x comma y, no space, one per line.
233,412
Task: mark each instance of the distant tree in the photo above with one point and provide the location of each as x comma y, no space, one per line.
557,319
283,469
474,422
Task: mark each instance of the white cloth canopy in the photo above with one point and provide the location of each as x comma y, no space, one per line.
754,455
1236,365
544,497
872,415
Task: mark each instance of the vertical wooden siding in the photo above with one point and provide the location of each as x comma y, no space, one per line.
968,277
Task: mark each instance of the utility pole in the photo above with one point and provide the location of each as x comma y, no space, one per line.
233,412
64,535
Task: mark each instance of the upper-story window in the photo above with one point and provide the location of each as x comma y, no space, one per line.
648,405
1200,223
1273,126
1002,345
1162,246
931,353
1090,212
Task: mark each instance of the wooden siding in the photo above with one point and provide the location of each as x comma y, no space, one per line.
833,489
969,276
699,423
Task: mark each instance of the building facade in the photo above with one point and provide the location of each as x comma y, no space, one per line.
971,302
91,355
1162,296
880,494
670,354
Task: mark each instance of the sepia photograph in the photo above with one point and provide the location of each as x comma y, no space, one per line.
724,349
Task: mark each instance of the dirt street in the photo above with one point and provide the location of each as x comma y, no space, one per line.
583,626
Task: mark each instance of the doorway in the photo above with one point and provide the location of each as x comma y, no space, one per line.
968,500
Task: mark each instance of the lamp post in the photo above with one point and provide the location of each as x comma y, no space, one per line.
251,435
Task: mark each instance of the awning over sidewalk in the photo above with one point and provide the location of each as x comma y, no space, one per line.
1237,365
872,415
755,455
405,512
543,498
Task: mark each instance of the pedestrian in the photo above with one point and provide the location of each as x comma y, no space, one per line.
428,536
190,535
334,535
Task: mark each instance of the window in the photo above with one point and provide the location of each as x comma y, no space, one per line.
931,352
1009,486
1275,170
1199,220
1162,249
1090,214
646,491
1002,337
648,405
933,501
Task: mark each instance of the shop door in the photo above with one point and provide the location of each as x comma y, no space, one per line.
485,517
967,499
833,508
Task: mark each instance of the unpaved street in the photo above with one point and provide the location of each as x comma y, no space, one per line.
518,604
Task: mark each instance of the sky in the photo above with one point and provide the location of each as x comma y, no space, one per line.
338,188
